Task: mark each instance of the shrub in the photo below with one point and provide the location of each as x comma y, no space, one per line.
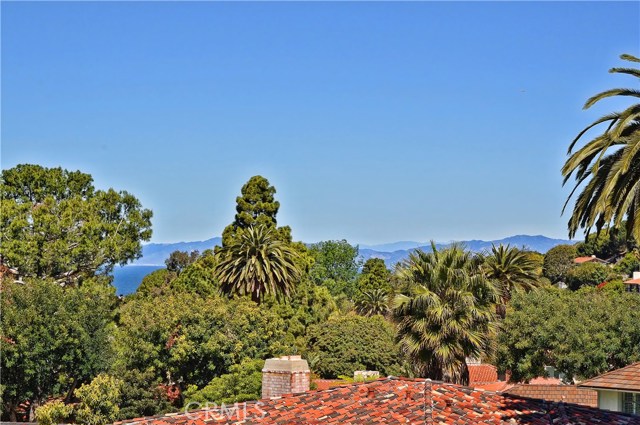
346,343
587,274
99,401
53,413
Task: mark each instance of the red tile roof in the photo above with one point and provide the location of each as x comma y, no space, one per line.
580,260
482,374
394,401
627,378
632,282
554,392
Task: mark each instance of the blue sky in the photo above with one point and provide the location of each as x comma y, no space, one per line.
376,122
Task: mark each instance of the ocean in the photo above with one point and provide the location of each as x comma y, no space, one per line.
127,279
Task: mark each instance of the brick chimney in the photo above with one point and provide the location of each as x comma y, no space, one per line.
285,375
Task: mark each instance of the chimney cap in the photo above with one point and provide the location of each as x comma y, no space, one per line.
289,364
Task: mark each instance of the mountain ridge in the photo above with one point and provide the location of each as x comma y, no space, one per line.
154,254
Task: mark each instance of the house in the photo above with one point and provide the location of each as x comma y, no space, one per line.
618,390
550,388
633,284
388,401
589,259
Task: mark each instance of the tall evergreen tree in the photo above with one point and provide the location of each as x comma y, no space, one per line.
256,206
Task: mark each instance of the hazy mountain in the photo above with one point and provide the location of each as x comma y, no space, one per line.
534,243
154,254
127,278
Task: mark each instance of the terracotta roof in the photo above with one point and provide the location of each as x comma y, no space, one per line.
632,282
392,401
627,378
554,392
482,374
580,260
541,380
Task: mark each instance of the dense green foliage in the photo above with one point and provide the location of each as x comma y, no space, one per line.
179,260
53,413
55,224
336,266
374,276
53,338
605,244
587,274
256,206
607,168
242,383
628,264
99,401
189,339
557,262
348,343
449,314
581,334
200,329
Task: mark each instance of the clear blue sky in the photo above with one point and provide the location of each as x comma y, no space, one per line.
376,122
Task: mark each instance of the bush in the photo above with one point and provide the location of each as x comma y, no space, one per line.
99,401
587,274
53,413
346,343
557,262
242,383
628,264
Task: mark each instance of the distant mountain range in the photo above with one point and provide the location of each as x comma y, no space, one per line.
154,254
127,278
397,251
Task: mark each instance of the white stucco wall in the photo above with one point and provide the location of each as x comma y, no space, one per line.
609,400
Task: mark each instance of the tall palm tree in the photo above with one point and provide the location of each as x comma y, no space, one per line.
257,264
448,315
607,168
511,269
373,302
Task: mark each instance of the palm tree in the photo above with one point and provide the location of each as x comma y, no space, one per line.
373,302
607,168
511,269
257,264
448,315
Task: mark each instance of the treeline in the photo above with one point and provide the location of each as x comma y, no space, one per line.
200,329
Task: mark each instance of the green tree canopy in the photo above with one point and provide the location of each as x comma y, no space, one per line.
99,401
346,343
557,262
54,223
256,206
336,266
374,276
606,244
606,169
188,339
52,339
588,274
242,383
179,260
582,334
